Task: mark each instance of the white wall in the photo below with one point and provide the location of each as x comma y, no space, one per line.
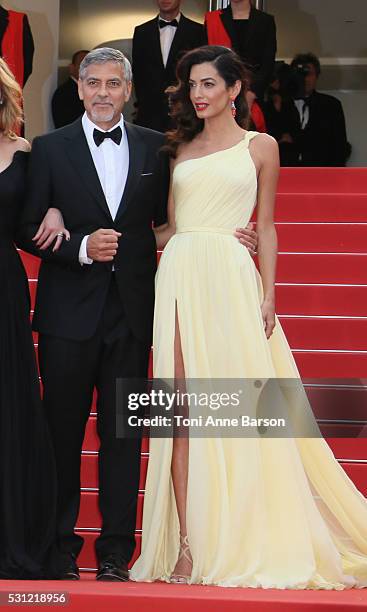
330,28
44,21
354,104
87,23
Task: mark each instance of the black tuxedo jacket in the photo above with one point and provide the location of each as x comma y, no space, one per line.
71,296
66,104
151,77
323,142
260,47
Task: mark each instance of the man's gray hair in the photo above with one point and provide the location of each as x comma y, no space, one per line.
104,55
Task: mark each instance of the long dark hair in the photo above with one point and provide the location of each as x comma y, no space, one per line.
188,125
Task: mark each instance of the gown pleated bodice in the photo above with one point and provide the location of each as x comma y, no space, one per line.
226,201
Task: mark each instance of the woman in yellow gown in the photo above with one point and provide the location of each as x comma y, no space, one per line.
251,512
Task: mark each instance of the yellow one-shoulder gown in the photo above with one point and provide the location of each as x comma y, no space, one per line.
277,513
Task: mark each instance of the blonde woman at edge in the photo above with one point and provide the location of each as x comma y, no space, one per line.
27,478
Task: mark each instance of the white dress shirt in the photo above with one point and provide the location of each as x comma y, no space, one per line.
112,165
167,35
303,111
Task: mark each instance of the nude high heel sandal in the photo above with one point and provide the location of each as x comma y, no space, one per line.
184,552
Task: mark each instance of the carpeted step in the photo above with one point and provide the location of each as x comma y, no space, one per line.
323,180
326,268
317,333
321,300
320,208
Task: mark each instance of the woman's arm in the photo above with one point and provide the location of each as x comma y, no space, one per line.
164,233
266,151
52,225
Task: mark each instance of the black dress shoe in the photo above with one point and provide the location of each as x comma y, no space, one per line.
71,570
113,569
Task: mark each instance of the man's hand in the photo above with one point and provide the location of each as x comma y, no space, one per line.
102,245
248,237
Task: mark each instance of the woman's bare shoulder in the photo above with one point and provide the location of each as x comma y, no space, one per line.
264,141
21,144
18,144
264,147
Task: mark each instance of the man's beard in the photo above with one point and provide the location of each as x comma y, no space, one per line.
102,116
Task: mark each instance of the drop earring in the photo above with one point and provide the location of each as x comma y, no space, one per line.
233,109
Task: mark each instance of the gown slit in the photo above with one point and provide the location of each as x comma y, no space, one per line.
180,442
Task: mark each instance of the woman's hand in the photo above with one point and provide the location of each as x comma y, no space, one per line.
268,315
51,227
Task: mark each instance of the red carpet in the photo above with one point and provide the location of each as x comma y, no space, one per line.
91,596
321,218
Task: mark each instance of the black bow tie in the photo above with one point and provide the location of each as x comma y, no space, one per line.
163,24
115,135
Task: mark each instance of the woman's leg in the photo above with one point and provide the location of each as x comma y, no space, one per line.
180,457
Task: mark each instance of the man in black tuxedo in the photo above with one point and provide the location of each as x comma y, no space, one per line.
322,139
94,305
157,46
66,105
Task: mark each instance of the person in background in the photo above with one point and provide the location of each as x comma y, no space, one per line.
252,34
66,104
157,45
323,138
16,44
281,115
16,47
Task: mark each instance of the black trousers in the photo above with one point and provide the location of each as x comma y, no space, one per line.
70,371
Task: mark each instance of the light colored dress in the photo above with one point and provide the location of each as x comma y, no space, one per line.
260,512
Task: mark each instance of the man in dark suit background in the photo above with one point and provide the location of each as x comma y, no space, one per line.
322,137
94,305
157,45
66,105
